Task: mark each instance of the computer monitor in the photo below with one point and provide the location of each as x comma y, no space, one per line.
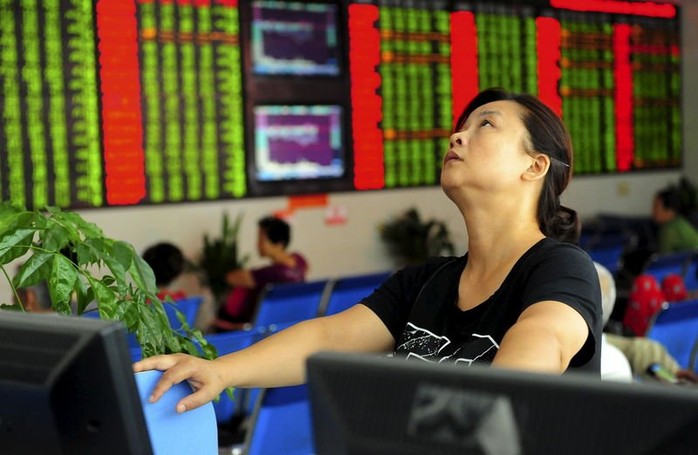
298,142
367,405
66,386
295,38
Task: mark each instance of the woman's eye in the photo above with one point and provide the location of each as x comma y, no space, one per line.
485,123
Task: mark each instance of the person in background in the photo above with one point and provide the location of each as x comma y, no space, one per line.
273,238
174,280
35,298
524,296
614,364
675,233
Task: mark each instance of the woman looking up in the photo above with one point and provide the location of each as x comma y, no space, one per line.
522,297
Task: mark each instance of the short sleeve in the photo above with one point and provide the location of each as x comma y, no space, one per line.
567,274
394,299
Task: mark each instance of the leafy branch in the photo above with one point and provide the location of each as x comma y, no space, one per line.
80,265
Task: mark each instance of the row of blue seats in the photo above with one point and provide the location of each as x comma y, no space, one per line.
676,328
279,418
609,249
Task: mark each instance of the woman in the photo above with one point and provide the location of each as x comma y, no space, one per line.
518,299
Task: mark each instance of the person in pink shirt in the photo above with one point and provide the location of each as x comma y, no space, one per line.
273,238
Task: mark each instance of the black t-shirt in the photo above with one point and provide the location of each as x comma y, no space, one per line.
419,305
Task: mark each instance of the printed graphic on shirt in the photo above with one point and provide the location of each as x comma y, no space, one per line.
423,344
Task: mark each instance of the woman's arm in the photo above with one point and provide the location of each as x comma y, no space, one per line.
275,361
240,278
545,338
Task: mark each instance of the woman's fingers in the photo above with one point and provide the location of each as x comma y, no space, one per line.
157,362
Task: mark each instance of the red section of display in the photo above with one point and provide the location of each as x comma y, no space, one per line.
229,3
650,9
464,63
364,52
548,32
124,162
623,78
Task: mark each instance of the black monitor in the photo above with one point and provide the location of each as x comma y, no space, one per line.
368,405
67,387
295,38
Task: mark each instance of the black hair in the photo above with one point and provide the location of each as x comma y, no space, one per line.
276,230
546,134
670,198
166,260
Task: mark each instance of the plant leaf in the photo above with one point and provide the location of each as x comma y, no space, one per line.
142,274
123,252
61,281
85,295
105,296
15,243
35,270
55,237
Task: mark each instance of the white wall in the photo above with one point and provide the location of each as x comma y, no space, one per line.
355,247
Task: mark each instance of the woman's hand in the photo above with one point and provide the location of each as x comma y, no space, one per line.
203,375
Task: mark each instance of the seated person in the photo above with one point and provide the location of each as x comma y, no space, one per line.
273,237
614,364
35,298
175,281
676,233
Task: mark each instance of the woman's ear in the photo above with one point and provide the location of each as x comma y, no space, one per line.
538,168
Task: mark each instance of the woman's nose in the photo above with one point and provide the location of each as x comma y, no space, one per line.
455,140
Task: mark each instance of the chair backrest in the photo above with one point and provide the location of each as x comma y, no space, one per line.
281,423
289,302
172,433
607,249
243,400
133,346
347,291
691,275
661,265
188,306
676,328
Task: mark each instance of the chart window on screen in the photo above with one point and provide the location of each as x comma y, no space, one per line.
294,38
298,142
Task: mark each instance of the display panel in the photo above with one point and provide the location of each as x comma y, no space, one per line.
295,38
110,102
298,142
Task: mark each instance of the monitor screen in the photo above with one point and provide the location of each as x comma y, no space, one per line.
295,142
376,405
66,386
295,38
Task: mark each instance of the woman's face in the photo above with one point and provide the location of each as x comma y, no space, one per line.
488,152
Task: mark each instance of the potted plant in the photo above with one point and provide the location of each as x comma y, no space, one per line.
81,265
220,255
411,240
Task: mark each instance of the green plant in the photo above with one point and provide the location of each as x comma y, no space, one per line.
80,265
411,240
220,255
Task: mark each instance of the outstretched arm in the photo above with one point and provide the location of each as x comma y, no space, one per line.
275,361
545,338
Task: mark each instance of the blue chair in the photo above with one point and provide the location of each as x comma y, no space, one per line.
188,306
348,291
691,274
171,433
676,328
607,248
133,346
661,265
289,302
243,400
281,423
